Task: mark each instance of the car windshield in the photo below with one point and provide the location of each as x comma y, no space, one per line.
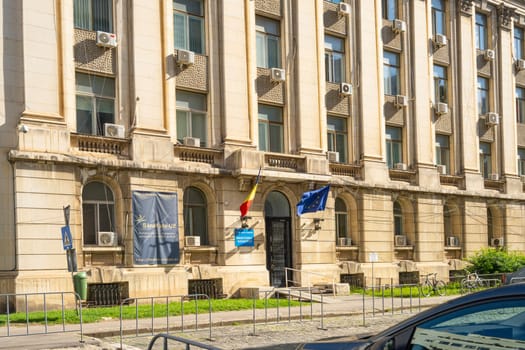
492,325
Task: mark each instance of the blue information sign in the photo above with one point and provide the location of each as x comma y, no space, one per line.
67,240
244,237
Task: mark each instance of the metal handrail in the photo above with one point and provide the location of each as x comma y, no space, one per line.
188,342
286,269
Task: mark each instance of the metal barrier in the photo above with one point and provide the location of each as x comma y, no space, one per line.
164,300
308,282
33,327
188,342
395,303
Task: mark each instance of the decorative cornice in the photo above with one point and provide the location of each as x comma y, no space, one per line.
505,15
465,7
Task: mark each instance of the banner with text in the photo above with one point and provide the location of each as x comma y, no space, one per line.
155,228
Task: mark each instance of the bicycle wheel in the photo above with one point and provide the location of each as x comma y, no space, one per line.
465,286
440,288
426,288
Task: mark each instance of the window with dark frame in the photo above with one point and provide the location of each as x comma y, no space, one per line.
520,105
268,42
394,146
188,25
334,59
483,95
191,116
481,31
98,211
338,137
195,213
93,15
438,17
389,9
440,84
391,72
485,159
443,151
271,129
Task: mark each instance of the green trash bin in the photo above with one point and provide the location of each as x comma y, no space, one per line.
80,284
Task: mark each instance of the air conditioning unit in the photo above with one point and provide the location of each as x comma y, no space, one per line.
345,241
491,119
401,101
496,242
442,169
441,108
106,39
185,57
440,40
106,239
400,240
520,64
400,166
332,156
277,75
191,141
345,89
489,55
192,241
453,241
343,9
399,26
114,130
494,177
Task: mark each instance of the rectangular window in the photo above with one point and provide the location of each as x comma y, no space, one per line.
440,84
271,129
268,43
93,15
481,32
483,95
394,146
443,151
521,161
334,59
520,105
191,116
438,17
485,159
391,72
188,25
338,137
519,43
95,103
389,9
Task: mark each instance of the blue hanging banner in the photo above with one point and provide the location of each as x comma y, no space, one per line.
244,237
155,228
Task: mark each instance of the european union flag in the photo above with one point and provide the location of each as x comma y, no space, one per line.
313,201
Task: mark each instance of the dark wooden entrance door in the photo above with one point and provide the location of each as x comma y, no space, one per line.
278,253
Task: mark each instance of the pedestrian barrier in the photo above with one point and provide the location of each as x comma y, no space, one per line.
35,314
166,337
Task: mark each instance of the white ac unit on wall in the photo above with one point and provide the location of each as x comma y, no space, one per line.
489,55
401,101
332,156
105,39
441,108
343,9
106,239
400,166
400,240
494,177
442,169
277,75
440,40
192,141
399,26
192,241
344,241
345,89
491,119
496,242
520,64
452,241
114,130
185,57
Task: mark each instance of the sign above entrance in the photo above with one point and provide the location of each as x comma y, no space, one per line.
244,237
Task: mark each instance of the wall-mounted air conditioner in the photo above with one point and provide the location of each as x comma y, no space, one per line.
192,241
491,119
106,39
332,156
399,26
489,55
191,141
496,242
453,241
400,240
401,101
440,40
344,241
442,169
277,75
441,108
520,64
185,57
400,166
494,177
345,89
106,239
343,9
114,130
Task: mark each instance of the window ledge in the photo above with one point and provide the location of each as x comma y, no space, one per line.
207,248
405,247
452,248
103,249
346,247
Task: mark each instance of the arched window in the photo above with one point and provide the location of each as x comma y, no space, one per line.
398,219
98,211
341,222
195,214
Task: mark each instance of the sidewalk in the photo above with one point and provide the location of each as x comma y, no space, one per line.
348,310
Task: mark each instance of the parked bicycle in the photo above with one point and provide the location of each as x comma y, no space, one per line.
471,282
431,285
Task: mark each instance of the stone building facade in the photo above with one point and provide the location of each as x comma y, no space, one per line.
413,111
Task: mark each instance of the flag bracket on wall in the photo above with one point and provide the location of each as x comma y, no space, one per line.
244,221
317,223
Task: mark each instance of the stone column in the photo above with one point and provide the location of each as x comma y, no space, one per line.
476,233
429,243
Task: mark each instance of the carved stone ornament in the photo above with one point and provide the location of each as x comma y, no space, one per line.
465,7
505,15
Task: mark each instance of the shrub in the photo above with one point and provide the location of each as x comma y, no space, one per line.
492,260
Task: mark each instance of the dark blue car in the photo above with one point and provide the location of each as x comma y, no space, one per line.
492,319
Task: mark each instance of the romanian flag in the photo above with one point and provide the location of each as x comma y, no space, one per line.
245,206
